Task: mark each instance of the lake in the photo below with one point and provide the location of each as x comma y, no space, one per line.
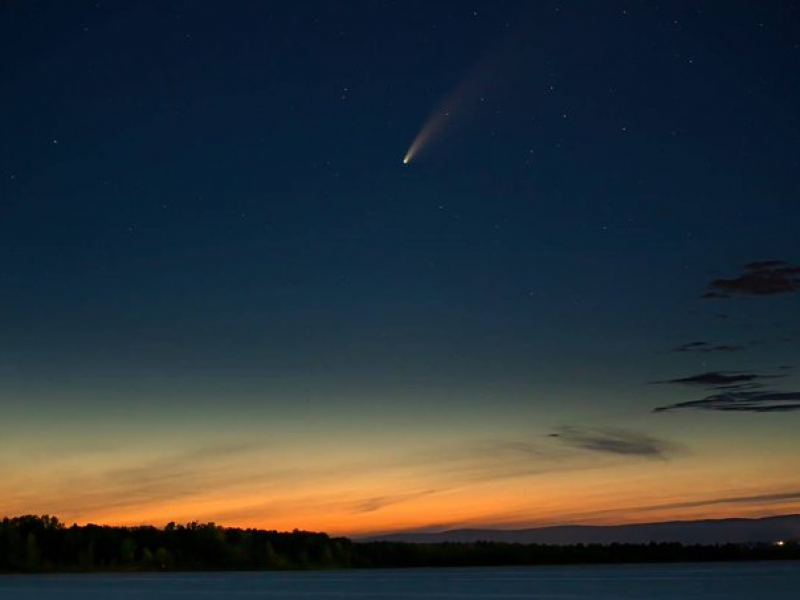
730,581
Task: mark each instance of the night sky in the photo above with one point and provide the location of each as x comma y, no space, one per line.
224,296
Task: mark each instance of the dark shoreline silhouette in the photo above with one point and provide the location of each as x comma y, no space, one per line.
704,532
34,544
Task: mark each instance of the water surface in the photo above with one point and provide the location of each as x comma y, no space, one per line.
746,581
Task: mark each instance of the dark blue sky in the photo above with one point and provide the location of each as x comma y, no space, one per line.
203,211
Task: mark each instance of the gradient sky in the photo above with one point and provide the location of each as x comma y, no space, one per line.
224,297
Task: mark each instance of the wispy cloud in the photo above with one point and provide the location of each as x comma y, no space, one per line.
193,480
615,441
149,481
762,401
375,503
757,501
706,347
718,378
753,499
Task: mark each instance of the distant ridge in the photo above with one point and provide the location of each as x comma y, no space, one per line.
719,531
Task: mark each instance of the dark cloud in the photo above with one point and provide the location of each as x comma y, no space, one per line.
719,378
762,401
706,347
765,264
739,386
763,278
723,348
614,441
690,347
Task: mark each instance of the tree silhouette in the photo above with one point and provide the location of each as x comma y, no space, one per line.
34,544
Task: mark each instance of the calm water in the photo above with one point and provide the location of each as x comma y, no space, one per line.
763,581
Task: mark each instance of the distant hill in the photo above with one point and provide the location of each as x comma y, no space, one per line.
721,531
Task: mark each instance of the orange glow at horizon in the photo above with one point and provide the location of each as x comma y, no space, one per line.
357,479
410,518
380,503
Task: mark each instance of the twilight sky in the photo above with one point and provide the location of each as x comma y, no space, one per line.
224,296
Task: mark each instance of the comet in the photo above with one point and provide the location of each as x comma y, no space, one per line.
467,95
436,124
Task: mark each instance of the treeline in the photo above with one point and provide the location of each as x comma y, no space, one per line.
42,544
36,544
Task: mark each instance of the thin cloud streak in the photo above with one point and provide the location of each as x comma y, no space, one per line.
741,401
718,378
707,348
615,441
